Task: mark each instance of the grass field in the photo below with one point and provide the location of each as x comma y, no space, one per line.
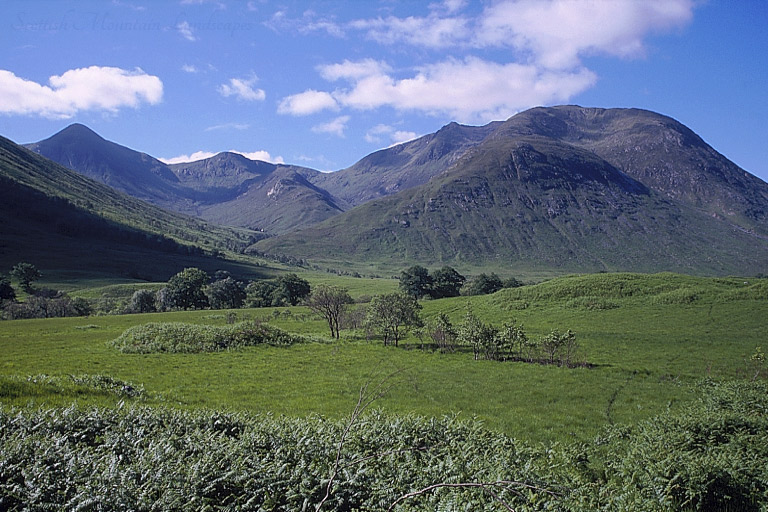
648,342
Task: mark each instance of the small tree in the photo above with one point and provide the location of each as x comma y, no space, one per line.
442,332
25,274
559,347
476,334
416,282
226,294
330,302
259,294
142,301
393,314
515,339
186,289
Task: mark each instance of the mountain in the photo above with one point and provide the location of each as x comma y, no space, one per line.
227,189
658,151
233,190
137,174
565,189
59,219
402,166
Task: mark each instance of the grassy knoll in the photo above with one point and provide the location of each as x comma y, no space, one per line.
646,348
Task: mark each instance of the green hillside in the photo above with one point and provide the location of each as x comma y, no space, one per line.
65,222
533,203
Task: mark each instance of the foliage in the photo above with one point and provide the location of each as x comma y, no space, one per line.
56,306
330,302
186,338
226,294
6,290
442,332
446,282
483,284
25,274
288,289
416,281
291,289
709,456
559,348
393,314
186,290
483,338
142,301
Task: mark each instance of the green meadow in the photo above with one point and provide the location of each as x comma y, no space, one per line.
648,341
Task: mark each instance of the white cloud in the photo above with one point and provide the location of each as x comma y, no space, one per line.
353,69
375,134
472,90
189,68
334,127
432,31
228,126
186,31
309,22
92,88
307,102
261,155
556,33
243,89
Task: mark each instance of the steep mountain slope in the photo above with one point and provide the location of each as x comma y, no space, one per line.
658,151
224,188
54,214
137,174
403,166
533,202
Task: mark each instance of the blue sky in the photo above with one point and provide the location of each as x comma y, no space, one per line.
322,84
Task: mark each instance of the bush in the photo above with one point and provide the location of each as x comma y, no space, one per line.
183,337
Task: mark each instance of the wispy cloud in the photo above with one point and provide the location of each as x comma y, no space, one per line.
228,126
334,127
93,88
185,29
243,89
393,136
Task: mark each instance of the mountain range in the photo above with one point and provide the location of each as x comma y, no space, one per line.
560,188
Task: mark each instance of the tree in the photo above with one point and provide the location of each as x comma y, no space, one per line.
291,289
446,282
226,294
442,332
6,290
483,284
142,301
330,302
259,294
416,282
186,290
393,314
481,337
25,274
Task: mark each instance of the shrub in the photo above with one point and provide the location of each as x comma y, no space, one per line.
183,337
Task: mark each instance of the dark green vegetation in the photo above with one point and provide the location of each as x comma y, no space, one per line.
641,429
191,338
77,229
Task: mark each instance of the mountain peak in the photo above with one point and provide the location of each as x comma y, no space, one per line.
78,131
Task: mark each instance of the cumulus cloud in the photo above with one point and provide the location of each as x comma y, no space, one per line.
334,127
261,155
470,90
558,32
242,89
545,42
92,88
185,30
307,102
